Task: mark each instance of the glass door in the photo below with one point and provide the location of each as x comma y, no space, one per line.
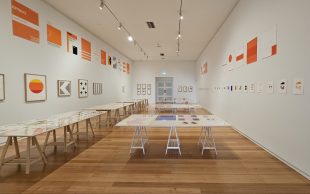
164,89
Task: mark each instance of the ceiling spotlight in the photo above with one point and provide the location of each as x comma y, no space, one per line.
179,36
130,38
181,17
178,51
101,5
119,26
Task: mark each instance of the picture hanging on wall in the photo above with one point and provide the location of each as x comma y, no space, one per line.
86,49
83,88
298,87
53,35
64,88
2,89
25,22
144,91
269,88
72,43
179,88
35,87
252,87
138,89
269,43
184,88
260,87
282,87
97,88
246,88
143,86
190,88
251,51
149,89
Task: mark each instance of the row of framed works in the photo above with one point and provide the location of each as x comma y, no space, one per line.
36,88
185,88
144,89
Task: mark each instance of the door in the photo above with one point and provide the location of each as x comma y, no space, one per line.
164,89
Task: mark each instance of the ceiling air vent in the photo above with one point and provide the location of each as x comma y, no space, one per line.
150,24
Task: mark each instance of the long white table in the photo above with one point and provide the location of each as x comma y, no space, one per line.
33,128
112,107
173,122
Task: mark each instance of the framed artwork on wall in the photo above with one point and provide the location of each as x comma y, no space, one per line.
2,88
64,88
184,88
190,88
83,88
179,88
298,88
143,86
35,87
282,87
97,88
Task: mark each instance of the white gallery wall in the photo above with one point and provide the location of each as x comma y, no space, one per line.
183,73
278,122
19,56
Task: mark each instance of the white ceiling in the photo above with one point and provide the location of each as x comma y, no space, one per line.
202,18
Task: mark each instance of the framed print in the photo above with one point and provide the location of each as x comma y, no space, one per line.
35,87
270,87
149,91
138,86
143,86
190,88
83,88
97,88
64,88
184,88
149,86
2,88
298,87
144,91
179,88
282,87
139,92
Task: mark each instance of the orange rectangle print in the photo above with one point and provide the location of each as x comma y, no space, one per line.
24,13
86,50
25,32
53,35
103,57
128,68
251,51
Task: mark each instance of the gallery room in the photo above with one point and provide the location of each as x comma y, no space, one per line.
154,96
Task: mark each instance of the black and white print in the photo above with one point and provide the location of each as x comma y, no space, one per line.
97,88
64,88
83,88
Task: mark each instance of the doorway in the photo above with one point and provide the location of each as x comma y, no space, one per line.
164,89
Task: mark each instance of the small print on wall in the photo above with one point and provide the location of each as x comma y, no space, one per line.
260,88
83,88
298,87
270,87
179,88
35,87
184,88
282,87
64,88
2,89
97,88
53,35
72,43
149,89
190,88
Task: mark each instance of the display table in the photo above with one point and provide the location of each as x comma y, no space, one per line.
173,122
175,107
31,129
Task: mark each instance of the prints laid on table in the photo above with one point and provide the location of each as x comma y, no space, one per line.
64,88
35,87
2,88
83,88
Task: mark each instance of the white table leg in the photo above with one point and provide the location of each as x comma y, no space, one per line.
208,140
173,140
138,140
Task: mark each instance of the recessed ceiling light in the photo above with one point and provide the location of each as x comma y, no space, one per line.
119,26
101,5
130,38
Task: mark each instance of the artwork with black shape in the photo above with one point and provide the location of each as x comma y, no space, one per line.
64,88
83,88
2,90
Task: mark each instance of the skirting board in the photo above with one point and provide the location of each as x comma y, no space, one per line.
307,176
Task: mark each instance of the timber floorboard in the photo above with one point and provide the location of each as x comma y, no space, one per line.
104,165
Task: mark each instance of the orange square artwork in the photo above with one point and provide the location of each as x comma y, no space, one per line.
86,50
25,22
53,35
103,57
251,51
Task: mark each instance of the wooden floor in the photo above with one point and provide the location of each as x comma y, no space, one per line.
104,165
